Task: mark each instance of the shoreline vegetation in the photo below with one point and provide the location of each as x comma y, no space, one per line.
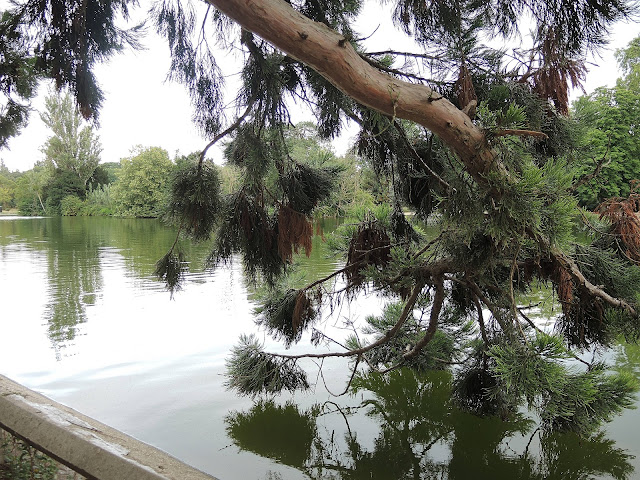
20,461
140,186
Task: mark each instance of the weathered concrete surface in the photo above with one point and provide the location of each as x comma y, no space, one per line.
82,443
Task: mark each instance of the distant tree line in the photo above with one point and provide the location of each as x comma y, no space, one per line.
71,181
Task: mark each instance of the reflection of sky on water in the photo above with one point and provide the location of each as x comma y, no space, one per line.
134,358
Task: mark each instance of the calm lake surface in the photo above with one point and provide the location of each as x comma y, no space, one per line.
83,321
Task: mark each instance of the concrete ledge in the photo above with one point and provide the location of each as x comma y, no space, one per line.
85,445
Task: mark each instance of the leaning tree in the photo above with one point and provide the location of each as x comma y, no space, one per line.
480,146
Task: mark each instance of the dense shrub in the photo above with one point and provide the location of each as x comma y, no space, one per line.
71,206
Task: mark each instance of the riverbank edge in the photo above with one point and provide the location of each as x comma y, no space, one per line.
85,445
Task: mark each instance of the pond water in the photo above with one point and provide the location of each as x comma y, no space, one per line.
83,320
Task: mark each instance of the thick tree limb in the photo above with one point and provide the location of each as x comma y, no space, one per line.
332,55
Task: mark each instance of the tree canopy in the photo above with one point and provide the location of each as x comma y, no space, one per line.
479,146
141,187
73,147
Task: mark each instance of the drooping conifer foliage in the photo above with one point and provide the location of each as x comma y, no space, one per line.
63,40
474,140
18,79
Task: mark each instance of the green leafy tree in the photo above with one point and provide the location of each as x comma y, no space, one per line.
100,177
74,147
61,185
610,123
7,190
142,183
629,61
610,118
30,190
474,148
111,169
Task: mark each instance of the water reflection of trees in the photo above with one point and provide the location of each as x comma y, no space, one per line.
75,250
73,269
420,435
74,254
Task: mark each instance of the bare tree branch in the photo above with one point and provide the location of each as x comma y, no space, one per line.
405,54
436,307
393,71
227,131
570,266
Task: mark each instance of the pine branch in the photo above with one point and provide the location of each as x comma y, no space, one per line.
478,293
408,308
330,276
514,307
327,52
519,133
570,266
436,307
539,330
226,132
415,154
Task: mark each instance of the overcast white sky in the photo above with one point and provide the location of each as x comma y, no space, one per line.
142,109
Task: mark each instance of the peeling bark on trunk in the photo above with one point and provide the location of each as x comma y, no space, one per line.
331,55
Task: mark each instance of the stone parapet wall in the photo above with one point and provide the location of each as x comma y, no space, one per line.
88,447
